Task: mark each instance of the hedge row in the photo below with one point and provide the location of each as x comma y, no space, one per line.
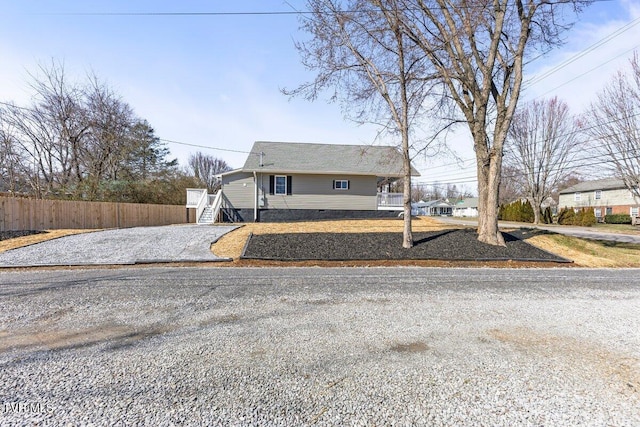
617,219
520,211
584,217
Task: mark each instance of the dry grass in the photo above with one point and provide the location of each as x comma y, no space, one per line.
231,244
19,242
589,253
584,253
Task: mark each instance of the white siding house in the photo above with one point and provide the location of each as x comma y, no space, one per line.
466,207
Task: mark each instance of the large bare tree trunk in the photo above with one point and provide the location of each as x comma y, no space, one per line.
407,235
489,164
536,210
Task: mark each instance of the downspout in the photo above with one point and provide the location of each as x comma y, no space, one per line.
255,198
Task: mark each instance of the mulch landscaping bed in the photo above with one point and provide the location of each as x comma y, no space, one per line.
6,235
449,245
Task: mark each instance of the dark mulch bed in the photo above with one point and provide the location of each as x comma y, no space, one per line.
458,245
6,235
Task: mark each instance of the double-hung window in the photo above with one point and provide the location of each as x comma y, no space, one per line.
598,195
280,187
576,196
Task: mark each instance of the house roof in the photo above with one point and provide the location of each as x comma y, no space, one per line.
469,202
294,157
598,184
439,203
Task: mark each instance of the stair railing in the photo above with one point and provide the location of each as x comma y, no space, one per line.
215,205
202,204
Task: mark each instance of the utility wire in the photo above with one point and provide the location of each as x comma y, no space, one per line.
584,52
205,146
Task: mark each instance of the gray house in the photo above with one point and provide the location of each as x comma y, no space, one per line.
606,196
438,207
283,181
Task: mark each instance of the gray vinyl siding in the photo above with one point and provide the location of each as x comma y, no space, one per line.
239,189
316,192
616,197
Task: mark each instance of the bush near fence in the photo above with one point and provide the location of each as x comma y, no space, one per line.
41,214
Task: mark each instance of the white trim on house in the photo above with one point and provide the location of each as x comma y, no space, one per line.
341,184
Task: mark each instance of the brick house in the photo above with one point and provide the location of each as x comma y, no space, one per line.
606,196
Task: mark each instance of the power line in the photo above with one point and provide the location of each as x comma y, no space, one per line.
599,43
204,146
589,71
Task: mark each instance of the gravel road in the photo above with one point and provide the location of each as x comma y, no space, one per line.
172,243
295,346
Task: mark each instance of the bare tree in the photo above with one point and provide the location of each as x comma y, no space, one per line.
615,125
359,49
49,133
81,140
10,160
206,167
511,187
478,50
541,146
419,193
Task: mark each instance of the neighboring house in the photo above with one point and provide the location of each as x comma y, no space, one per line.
283,181
466,207
606,196
432,208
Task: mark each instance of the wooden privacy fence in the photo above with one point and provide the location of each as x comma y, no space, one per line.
31,214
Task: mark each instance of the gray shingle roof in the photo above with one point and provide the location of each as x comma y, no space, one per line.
294,157
469,202
598,184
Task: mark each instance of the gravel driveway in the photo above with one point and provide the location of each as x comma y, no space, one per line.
286,347
174,243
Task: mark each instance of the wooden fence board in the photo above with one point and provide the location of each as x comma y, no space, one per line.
30,214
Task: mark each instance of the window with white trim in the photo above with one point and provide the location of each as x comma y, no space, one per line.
341,184
598,195
597,212
280,187
634,211
576,196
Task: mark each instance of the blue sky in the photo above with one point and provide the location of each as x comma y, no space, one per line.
215,80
